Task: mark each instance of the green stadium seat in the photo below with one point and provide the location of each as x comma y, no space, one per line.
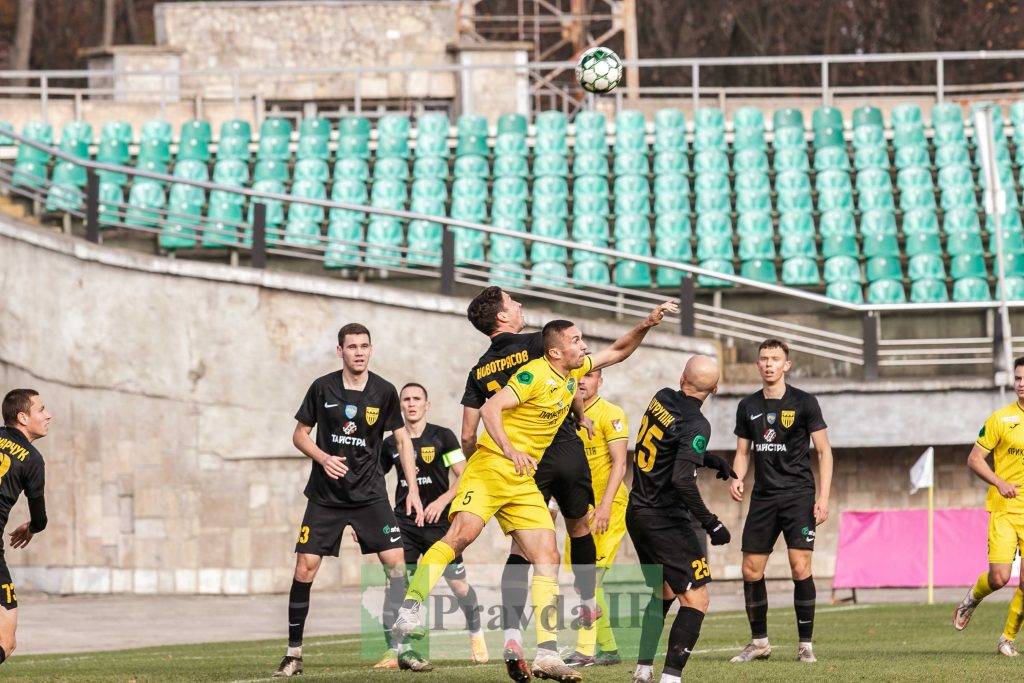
876,199
191,169
756,247
595,143
62,196
349,191
958,198
423,167
747,160
511,166
961,220
1011,221
793,181
180,230
951,176
231,172
709,161
762,270
921,221
878,222
883,268
506,250
550,205
800,271
625,142
946,113
470,187
670,140
427,145
710,118
312,169
223,226
835,198
157,129
928,291
596,184
906,114
390,194
637,184
117,130
846,291
745,139
197,149
551,164
471,167
551,144
587,204
714,225
922,243
790,138
636,204
831,157
312,147
626,119
591,273
838,245
755,224
714,248
233,148
873,179
384,237
550,273
669,226
6,139
37,131
349,147
585,227
829,137
633,274
967,265
867,116
472,145
425,239
713,201
275,207
959,243
949,134
791,159
516,187
630,164
833,179
842,268
429,123
509,212
871,157
952,155
632,227
752,200
793,200
796,245
749,181
868,137
1014,289
271,169
75,138
917,198
280,127
971,289
510,144
880,245
1013,245
146,204
151,166
552,185
838,222
219,196
512,123
67,173
718,266
709,138
748,117
343,248
673,203
886,292
672,162
553,226
912,156
908,136
232,128
787,118
315,127
274,147
672,249
471,124
392,146
926,267
586,165
391,168
669,118
796,223
581,255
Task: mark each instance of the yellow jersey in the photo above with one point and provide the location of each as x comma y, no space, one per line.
610,425
1003,436
545,398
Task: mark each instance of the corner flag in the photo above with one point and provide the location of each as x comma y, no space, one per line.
922,474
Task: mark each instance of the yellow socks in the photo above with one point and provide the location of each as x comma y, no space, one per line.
981,588
586,640
430,570
605,635
1015,617
544,595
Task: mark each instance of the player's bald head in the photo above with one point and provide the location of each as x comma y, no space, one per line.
700,376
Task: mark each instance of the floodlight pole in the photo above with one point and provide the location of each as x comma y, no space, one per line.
995,206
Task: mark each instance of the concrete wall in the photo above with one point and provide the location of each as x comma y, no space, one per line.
222,36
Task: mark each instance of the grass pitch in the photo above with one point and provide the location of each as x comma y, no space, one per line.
893,642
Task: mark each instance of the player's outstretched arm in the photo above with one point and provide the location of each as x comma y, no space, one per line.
625,345
334,465
490,413
978,464
824,448
470,425
407,459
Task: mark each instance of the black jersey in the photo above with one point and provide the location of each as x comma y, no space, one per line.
673,431
779,430
351,424
21,469
506,354
436,450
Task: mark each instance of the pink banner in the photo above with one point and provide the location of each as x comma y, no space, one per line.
889,548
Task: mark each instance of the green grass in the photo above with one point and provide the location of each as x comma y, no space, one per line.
870,643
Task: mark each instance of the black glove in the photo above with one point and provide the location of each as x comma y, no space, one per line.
717,531
721,465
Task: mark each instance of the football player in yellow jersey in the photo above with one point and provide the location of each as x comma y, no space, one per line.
521,421
606,454
1003,436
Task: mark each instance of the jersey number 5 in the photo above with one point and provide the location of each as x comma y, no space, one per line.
645,448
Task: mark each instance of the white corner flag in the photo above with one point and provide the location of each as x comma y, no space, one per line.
922,474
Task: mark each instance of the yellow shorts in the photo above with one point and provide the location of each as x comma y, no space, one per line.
607,543
489,487
1005,536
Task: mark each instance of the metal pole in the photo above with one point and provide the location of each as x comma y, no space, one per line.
687,298
258,258
940,79
632,50
824,83
447,261
869,328
695,85
92,206
44,96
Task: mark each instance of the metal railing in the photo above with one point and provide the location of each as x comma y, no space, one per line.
242,84
257,239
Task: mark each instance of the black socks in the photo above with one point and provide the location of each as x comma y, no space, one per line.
298,608
681,639
804,597
755,595
650,629
394,593
515,590
471,609
584,556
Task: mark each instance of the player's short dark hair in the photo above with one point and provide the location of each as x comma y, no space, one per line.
553,330
17,401
1016,364
352,328
483,310
772,343
414,384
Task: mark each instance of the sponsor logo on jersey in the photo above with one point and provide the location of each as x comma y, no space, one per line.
1011,418
769,435
787,418
770,448
388,529
348,440
524,377
754,417
371,415
330,405
699,443
771,418
350,411
349,428
427,453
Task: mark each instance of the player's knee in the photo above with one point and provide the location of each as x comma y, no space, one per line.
306,567
752,572
800,571
998,577
698,599
577,527
459,587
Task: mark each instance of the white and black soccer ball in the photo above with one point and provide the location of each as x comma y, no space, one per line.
599,70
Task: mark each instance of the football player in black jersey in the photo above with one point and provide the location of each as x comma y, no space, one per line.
351,409
563,473
26,419
437,452
775,423
670,445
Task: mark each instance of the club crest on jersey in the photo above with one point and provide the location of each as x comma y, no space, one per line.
769,435
617,425
350,411
349,428
771,418
427,453
525,377
787,418
371,415
571,386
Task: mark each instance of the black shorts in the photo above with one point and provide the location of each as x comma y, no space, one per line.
416,540
8,598
322,528
790,514
564,474
668,548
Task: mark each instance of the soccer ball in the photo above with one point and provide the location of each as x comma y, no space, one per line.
599,70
